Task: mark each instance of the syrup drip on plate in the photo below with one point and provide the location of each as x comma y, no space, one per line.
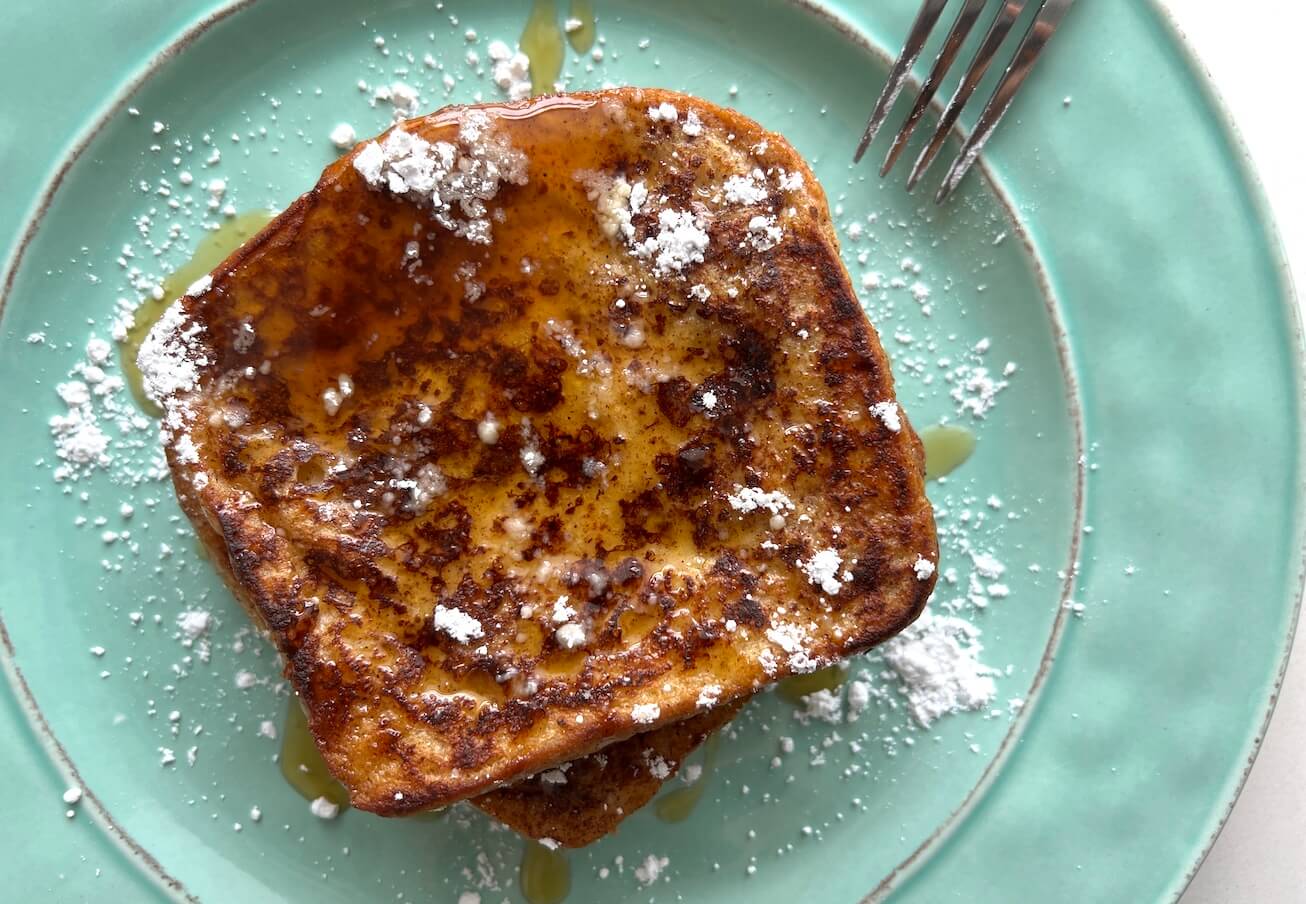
302,765
582,38
947,447
305,770
675,806
541,40
545,875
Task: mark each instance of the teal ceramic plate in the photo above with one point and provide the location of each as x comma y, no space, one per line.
1104,306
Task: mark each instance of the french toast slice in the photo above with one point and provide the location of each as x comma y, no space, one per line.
598,791
535,426
586,799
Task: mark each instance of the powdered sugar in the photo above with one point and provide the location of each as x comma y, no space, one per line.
343,136
645,713
511,70
987,565
680,241
659,768
404,99
562,612
323,808
455,181
749,189
334,396
647,872
681,237
889,414
172,355
457,624
789,181
750,499
613,203
78,439
822,570
663,112
975,390
764,233
923,568
858,698
823,706
570,636
194,623
96,419
428,484
708,696
792,638
937,660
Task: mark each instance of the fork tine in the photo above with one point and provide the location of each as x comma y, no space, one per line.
1036,38
1008,12
920,30
961,27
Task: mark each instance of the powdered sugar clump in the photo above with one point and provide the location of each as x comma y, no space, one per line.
823,705
792,639
764,233
78,439
889,414
750,499
663,112
987,565
323,808
456,181
616,200
428,484
457,624
193,627
859,697
923,568
613,203
194,623
680,241
172,355
343,135
645,713
822,570
749,189
170,361
659,768
974,388
96,421
937,660
647,872
511,70
976,391
570,636
789,181
708,696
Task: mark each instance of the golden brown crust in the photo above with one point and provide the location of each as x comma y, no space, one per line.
602,789
683,598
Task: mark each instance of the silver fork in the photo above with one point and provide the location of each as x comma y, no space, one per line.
1045,21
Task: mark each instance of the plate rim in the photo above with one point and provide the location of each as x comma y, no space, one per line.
824,12
1291,305
1242,167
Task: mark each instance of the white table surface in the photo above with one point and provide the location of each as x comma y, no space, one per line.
1252,51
